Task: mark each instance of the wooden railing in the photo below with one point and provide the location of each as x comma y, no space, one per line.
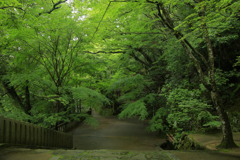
67,126
22,133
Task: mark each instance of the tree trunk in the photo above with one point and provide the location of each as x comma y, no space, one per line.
13,94
28,105
227,140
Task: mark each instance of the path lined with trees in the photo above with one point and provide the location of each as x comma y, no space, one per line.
175,63
113,139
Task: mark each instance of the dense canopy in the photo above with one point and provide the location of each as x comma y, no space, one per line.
174,63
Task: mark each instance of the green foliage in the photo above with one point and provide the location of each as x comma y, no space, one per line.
158,121
238,61
213,124
89,97
91,121
235,120
119,56
219,16
46,55
183,142
134,109
132,96
106,112
7,109
129,83
184,112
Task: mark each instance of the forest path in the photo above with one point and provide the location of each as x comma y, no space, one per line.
115,134
113,139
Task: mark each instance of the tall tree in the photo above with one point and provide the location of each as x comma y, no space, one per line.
203,11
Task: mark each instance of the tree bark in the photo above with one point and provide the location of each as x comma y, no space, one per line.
227,140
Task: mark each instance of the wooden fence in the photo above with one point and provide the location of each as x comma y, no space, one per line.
22,133
65,127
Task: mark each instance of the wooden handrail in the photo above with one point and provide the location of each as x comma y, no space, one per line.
23,133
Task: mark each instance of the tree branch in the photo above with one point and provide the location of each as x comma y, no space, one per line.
147,58
162,13
12,7
139,60
122,33
54,7
108,52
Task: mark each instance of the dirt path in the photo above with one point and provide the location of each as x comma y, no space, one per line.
116,135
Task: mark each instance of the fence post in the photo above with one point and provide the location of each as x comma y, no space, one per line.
43,137
48,138
71,141
35,134
38,136
28,135
13,132
22,135
55,139
60,139
32,134
1,129
18,132
7,127
51,137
